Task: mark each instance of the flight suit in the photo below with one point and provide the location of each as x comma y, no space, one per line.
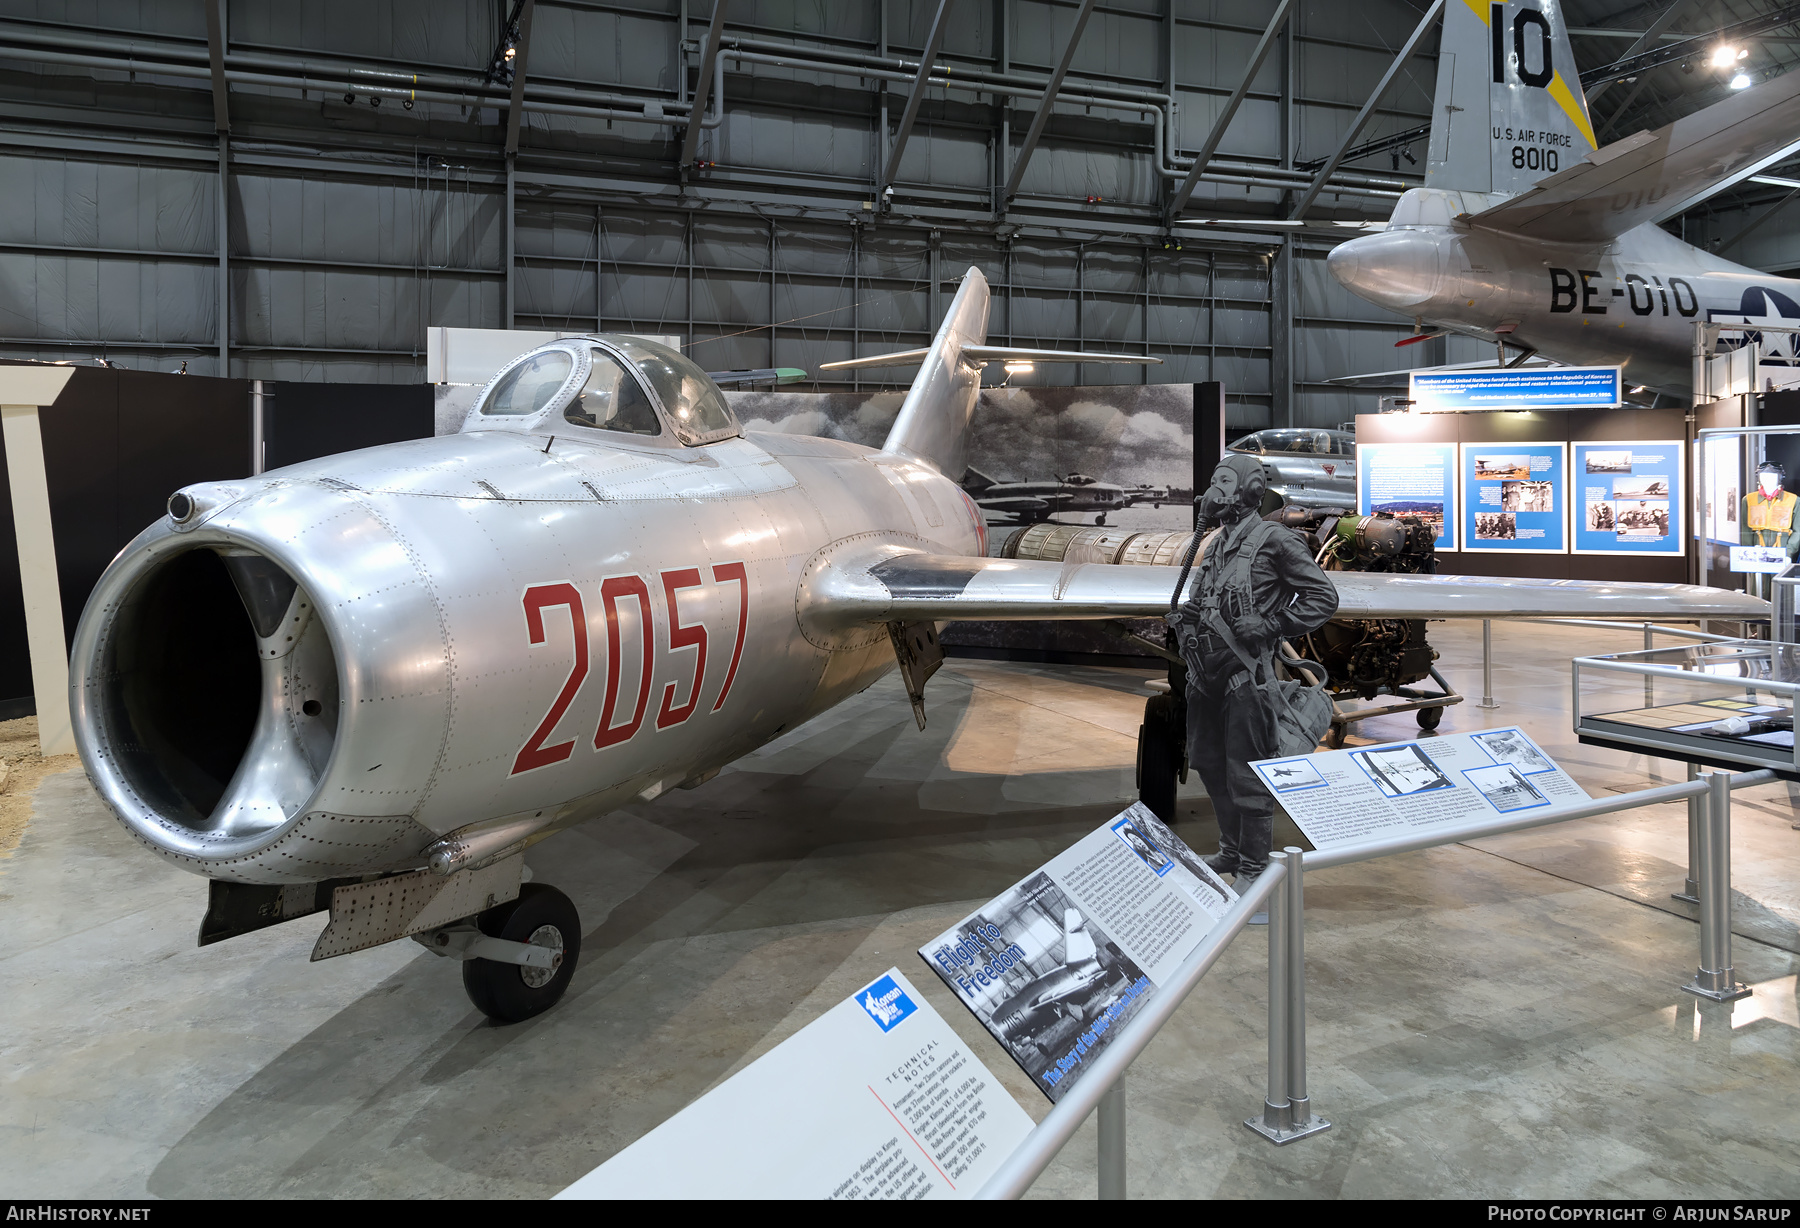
1228,721
1770,522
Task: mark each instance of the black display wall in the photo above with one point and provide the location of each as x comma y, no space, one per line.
118,443
305,421
1573,426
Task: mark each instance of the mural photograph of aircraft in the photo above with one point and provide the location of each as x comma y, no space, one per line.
365,684
1031,502
1530,236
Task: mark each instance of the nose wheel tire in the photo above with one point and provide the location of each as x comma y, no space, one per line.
511,993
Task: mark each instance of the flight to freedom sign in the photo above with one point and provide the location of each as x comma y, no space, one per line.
1446,392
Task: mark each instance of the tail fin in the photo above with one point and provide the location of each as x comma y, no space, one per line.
1078,944
933,425
1509,108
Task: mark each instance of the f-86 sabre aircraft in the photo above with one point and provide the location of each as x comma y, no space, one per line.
1527,234
367,683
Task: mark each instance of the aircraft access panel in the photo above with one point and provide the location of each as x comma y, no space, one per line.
1728,703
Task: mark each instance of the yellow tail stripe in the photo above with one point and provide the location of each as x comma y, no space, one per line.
1573,108
1480,9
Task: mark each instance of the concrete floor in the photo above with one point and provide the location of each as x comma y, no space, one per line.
1488,1020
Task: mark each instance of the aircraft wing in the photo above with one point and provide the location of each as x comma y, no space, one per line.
1012,503
1652,176
987,353
895,584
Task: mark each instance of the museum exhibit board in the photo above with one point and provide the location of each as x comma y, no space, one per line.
1514,430
1406,478
1514,497
1630,497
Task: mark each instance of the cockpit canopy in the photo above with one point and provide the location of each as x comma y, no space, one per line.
606,383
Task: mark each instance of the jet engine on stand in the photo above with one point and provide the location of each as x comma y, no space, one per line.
1376,661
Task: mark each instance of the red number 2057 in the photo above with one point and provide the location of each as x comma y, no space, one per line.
616,727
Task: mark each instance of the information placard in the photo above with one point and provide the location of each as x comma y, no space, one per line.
1514,497
1409,479
1629,497
1056,964
1345,797
876,1099
1489,388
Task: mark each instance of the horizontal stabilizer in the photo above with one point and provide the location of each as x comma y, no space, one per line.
894,584
984,353
1653,176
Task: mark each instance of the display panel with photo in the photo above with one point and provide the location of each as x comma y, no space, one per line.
1630,498
1606,461
1410,479
1511,746
1515,500
1527,497
1505,788
1287,775
1401,771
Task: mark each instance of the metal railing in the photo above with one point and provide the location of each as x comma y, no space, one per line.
1650,630
1287,1112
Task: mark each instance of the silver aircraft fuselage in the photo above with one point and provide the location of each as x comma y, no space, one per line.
528,624
1631,302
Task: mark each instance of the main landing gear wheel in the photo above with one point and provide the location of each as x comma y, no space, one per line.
1429,717
510,993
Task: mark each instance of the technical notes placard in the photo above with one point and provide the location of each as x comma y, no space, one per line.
1344,797
1514,497
1409,479
1628,497
1055,965
876,1099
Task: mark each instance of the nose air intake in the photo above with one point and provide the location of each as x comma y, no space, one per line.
211,713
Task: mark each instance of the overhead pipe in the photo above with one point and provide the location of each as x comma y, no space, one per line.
259,68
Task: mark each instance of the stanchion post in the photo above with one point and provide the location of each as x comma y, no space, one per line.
1276,1120
1715,977
1690,891
1300,1113
1112,1141
1487,664
1649,682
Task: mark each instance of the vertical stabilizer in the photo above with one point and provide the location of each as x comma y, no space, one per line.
1509,108
933,425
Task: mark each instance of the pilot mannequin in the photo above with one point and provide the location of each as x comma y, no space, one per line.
1229,721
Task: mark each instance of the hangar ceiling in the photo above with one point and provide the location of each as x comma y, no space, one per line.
530,163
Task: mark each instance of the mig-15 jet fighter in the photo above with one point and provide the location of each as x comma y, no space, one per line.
367,683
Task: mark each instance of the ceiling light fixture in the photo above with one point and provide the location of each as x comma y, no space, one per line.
1724,57
1741,81
1019,368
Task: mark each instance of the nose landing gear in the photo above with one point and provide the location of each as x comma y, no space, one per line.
518,957
541,917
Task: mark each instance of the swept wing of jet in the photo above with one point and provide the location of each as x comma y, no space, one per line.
368,683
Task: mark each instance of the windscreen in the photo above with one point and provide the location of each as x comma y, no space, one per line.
528,387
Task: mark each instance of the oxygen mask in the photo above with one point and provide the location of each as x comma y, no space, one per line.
1237,488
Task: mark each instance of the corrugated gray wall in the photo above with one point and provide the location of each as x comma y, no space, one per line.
351,228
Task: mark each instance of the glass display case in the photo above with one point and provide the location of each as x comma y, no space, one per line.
1726,704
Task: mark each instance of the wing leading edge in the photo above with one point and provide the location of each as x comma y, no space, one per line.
900,585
